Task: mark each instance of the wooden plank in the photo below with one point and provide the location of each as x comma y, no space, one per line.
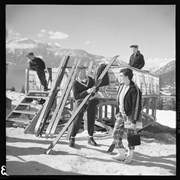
49,102
66,90
70,84
105,111
112,112
38,94
35,97
25,112
100,113
147,105
79,107
26,80
30,128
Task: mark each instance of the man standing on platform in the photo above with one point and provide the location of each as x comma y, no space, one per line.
137,59
37,64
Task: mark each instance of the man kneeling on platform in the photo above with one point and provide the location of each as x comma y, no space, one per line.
82,86
128,110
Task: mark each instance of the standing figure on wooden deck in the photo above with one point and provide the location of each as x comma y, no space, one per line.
128,110
37,64
136,59
82,86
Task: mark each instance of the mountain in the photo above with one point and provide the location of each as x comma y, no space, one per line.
167,77
51,53
18,48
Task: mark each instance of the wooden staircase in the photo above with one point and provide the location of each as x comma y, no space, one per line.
28,109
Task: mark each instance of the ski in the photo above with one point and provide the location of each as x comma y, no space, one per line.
66,90
50,100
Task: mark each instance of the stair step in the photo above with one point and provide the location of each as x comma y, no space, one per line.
36,97
39,94
25,121
28,104
24,112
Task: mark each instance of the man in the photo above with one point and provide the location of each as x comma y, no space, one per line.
128,110
82,86
136,59
38,65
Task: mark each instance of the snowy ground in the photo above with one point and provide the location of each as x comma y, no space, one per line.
25,153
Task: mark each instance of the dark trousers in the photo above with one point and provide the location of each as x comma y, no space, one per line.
42,77
91,108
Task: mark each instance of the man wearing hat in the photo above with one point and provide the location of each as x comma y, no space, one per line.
137,59
82,86
38,65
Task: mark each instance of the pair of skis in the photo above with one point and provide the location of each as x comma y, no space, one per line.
63,99
76,112
51,98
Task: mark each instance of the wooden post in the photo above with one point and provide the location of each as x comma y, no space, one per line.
153,106
100,113
27,80
112,113
105,113
147,105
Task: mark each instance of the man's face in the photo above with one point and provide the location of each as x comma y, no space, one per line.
31,57
82,73
134,50
122,78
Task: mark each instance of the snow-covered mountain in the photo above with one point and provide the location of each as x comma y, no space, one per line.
167,77
51,53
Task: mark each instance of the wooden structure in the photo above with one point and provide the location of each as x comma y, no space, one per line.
28,109
148,83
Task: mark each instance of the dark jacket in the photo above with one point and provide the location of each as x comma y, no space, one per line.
132,102
137,61
80,90
37,63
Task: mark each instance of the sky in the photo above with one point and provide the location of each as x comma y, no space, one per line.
106,30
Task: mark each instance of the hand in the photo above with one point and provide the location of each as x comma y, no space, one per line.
130,125
92,97
90,90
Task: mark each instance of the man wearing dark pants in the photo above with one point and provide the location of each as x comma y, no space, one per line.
82,86
38,65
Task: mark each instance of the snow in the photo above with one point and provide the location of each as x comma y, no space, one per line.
166,118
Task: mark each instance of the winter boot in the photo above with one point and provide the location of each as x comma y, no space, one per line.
129,156
121,154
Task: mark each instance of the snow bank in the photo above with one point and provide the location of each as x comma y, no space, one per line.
166,118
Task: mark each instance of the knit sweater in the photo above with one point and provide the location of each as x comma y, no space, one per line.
80,89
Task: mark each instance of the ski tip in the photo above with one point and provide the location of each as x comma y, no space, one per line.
47,152
116,56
